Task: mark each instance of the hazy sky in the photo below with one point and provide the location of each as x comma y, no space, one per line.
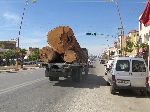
81,15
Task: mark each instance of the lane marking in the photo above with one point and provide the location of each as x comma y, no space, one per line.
21,85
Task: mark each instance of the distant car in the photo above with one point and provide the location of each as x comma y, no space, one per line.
27,63
102,61
128,73
39,63
90,63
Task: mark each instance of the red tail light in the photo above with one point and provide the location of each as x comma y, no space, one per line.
147,79
113,78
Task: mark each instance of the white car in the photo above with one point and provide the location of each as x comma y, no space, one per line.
108,66
128,73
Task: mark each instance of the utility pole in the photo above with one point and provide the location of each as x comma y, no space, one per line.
19,33
121,23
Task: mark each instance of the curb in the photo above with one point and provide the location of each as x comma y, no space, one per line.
15,71
8,71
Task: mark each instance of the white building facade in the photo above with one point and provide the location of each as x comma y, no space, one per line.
144,32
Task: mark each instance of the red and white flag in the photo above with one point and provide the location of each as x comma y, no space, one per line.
145,18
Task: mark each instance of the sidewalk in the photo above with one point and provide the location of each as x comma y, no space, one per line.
12,69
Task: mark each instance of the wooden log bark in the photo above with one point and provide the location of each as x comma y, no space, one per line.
63,41
70,56
47,54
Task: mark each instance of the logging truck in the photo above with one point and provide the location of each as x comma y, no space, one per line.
77,71
64,57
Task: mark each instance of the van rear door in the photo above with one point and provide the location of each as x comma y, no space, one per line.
139,73
122,72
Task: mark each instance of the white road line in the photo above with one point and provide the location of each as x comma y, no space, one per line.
20,85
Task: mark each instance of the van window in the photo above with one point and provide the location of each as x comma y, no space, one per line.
123,65
138,66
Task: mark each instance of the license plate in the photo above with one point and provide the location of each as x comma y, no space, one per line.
123,81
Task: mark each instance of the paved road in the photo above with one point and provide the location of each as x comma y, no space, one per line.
30,91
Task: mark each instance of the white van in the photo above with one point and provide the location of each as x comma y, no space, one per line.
128,73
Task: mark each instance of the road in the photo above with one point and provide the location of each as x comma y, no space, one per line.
30,91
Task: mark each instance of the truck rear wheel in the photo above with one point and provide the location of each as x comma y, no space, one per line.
53,78
144,92
76,74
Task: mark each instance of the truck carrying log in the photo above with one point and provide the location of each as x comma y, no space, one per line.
63,41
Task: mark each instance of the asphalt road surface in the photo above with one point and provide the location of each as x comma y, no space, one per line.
30,91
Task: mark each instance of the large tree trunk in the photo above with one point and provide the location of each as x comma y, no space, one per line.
63,41
47,54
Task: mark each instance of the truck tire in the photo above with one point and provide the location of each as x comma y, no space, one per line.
112,90
46,73
86,70
84,76
144,92
76,74
53,78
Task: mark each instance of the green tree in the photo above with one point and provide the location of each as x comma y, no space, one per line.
22,54
129,46
9,54
1,45
105,56
144,45
34,55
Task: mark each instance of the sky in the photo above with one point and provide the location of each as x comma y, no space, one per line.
82,16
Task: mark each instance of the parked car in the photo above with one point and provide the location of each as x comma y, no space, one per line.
102,61
108,65
90,63
128,73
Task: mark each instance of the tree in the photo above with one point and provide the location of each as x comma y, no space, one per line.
9,54
22,54
144,45
105,56
129,47
34,55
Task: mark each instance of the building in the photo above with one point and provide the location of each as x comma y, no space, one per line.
112,52
8,44
33,49
144,32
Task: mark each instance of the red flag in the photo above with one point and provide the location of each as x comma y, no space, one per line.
145,18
